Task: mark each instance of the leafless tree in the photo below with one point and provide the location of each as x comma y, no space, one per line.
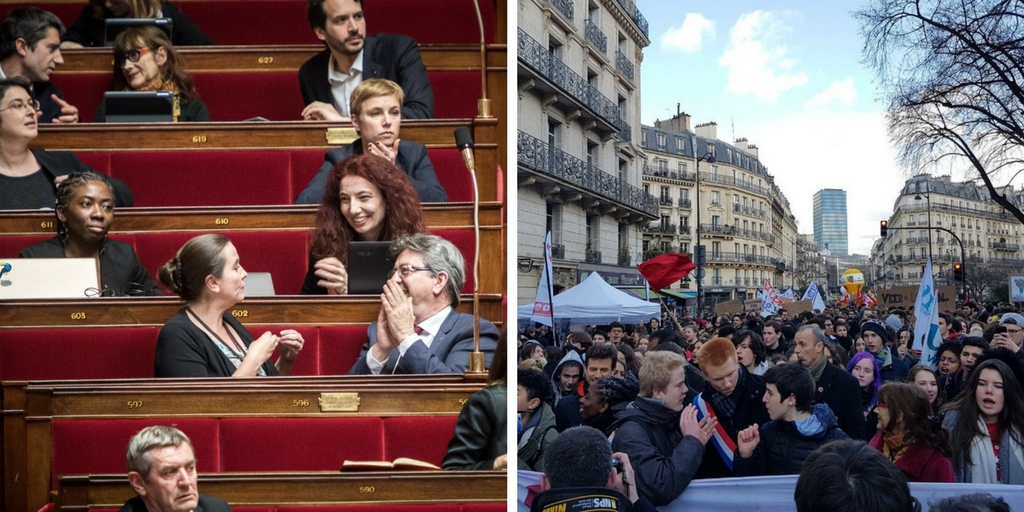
952,73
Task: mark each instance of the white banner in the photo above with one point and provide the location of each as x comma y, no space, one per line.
1016,288
543,310
770,300
926,318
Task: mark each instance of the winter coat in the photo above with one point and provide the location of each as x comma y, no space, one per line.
921,462
537,433
571,358
786,444
749,410
841,392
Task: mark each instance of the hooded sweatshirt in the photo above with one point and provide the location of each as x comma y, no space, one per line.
570,358
786,444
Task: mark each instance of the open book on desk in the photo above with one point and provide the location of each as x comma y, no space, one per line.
383,465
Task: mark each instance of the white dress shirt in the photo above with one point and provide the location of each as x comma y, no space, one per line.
430,327
342,84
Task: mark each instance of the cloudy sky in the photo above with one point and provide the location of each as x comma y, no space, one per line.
787,75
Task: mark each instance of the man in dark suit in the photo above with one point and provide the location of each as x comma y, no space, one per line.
30,49
329,77
162,470
832,385
418,329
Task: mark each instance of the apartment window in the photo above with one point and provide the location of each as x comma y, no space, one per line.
553,222
593,231
593,155
684,247
682,166
736,276
716,249
714,172
665,194
714,197
680,145
684,221
684,193
715,221
623,169
665,222
662,164
661,141
623,235
647,189
555,48
554,134
736,248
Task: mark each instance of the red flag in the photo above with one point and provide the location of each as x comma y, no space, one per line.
664,269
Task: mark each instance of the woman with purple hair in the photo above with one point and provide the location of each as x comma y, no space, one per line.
864,367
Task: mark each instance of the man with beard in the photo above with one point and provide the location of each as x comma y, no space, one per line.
832,385
663,439
329,77
732,396
876,340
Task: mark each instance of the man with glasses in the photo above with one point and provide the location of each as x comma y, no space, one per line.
417,329
1013,338
30,49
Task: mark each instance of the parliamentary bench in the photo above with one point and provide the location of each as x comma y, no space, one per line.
223,164
271,22
398,491
285,424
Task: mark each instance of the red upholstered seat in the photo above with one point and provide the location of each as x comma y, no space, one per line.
464,241
340,347
238,96
483,507
84,90
418,437
98,446
48,354
204,178
436,507
282,253
298,444
11,245
251,23
455,93
308,362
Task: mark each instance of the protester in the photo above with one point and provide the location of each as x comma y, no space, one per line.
909,436
948,357
864,367
750,351
971,349
796,429
605,399
976,502
600,362
851,476
566,375
833,386
927,379
664,439
536,417
876,340
990,408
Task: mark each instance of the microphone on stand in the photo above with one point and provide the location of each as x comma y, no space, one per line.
464,141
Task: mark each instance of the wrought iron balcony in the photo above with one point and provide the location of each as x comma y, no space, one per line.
634,14
562,6
538,156
1001,246
684,203
625,130
595,36
684,230
623,64
736,207
666,201
550,67
625,261
717,229
558,251
716,280
593,256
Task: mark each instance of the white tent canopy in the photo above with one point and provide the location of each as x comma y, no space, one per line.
595,302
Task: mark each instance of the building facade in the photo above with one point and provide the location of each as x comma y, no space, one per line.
991,236
746,226
830,231
579,157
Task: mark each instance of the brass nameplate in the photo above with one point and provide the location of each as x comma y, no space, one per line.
339,402
341,135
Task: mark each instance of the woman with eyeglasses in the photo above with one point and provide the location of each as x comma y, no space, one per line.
986,426
367,198
145,60
29,176
90,27
909,436
204,339
85,210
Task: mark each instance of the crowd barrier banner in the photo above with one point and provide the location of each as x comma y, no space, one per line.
776,493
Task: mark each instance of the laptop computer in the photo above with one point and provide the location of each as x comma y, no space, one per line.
368,267
49,278
138,106
114,26
259,284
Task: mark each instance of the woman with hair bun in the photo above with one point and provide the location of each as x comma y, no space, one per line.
909,436
204,339
85,211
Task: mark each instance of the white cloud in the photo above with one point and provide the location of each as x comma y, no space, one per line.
689,37
756,60
843,92
812,150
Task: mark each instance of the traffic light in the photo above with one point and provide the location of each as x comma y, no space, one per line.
885,228
958,271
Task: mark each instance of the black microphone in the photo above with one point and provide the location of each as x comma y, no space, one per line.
464,141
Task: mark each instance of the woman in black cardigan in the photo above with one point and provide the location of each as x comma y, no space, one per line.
203,339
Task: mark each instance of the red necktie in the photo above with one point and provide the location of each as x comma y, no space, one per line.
418,329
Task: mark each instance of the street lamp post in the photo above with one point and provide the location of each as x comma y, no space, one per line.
698,249
928,199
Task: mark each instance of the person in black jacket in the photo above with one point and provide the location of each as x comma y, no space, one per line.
661,433
377,121
876,341
833,386
29,177
328,78
599,362
90,27
30,49
162,470
796,429
733,397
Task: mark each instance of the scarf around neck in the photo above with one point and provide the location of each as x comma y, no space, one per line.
726,405
818,368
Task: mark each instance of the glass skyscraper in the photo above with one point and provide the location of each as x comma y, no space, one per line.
830,221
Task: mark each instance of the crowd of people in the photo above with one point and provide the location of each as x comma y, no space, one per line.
687,398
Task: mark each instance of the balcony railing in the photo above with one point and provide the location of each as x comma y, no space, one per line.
535,154
684,203
625,130
1001,246
663,172
625,261
733,182
563,6
666,201
623,64
684,230
558,251
738,257
596,37
634,14
531,52
716,280
593,256
717,229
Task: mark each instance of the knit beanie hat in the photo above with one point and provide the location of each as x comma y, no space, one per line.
876,328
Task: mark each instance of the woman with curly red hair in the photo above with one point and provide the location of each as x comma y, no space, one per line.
367,198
